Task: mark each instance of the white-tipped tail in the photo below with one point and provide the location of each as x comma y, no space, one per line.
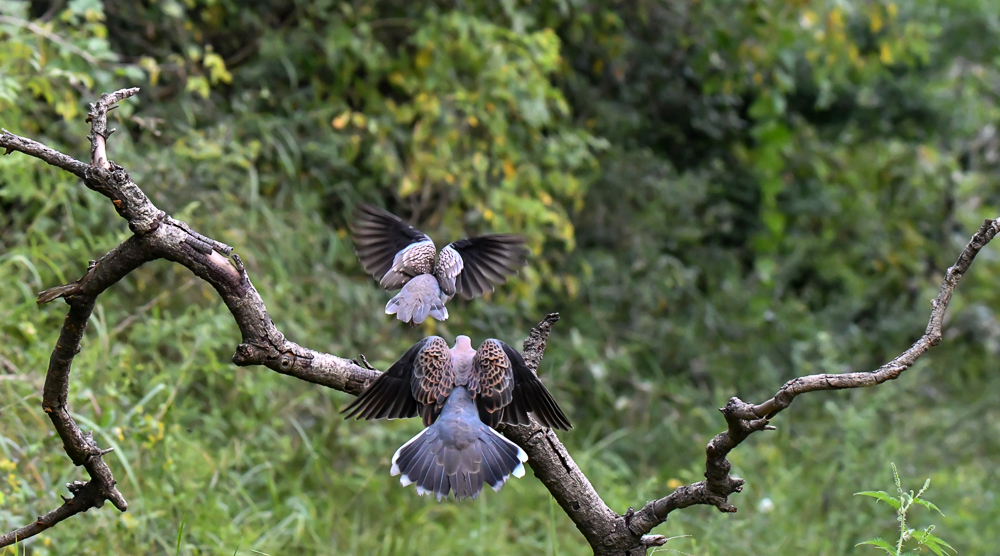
458,454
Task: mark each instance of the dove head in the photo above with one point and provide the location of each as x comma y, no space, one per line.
461,357
463,343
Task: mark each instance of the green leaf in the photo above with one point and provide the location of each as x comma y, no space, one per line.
927,504
883,496
934,543
877,541
180,534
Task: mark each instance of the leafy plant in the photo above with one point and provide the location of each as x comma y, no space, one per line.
902,503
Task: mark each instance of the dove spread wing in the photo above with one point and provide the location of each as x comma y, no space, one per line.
473,266
383,242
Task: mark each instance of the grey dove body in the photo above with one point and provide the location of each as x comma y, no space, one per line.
401,256
461,394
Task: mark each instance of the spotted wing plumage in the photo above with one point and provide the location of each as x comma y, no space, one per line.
491,381
530,395
415,259
486,261
383,241
433,378
390,394
449,267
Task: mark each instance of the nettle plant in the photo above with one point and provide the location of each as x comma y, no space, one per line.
902,502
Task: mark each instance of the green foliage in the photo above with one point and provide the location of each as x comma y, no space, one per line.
902,503
719,196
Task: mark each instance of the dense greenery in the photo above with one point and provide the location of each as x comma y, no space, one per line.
719,196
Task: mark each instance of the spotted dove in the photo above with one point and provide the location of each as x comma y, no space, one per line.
460,394
401,256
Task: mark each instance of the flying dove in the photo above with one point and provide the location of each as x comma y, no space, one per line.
401,256
460,394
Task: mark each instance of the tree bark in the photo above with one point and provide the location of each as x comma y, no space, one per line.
158,236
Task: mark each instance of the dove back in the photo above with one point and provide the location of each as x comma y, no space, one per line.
458,453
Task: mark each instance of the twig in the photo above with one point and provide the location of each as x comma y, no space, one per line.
745,419
156,235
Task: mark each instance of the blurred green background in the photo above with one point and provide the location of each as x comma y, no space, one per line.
719,196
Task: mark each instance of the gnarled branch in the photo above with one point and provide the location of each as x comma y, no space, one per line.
745,419
157,236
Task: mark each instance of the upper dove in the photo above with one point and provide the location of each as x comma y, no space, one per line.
401,256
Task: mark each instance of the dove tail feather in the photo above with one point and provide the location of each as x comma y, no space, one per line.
457,454
420,297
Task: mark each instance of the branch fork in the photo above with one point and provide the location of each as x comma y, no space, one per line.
158,236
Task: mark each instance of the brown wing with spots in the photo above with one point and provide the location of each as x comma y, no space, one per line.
491,382
389,249
433,378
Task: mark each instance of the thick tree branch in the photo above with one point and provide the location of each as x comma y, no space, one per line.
552,463
157,235
160,236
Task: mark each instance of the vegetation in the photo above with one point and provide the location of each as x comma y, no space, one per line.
719,196
902,503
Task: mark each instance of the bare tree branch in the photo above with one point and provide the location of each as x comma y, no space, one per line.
157,235
745,419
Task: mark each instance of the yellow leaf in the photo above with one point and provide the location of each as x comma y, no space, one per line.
674,483
488,215
473,121
358,119
885,55
407,187
572,286
151,67
509,171
340,121
876,22
424,58
217,71
808,19
836,18
545,198
67,108
198,84
892,9
758,78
